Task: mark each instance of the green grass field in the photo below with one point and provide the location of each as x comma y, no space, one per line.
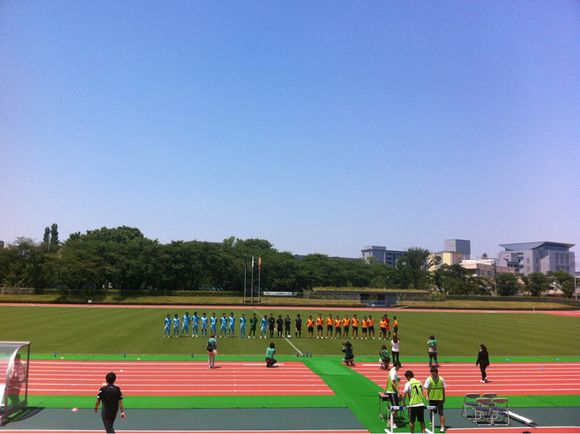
107,333
93,331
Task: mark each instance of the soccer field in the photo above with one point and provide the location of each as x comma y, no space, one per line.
135,330
535,362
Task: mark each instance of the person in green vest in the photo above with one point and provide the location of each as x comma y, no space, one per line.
393,386
270,353
415,401
435,393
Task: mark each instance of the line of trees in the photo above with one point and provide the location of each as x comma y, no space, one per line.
123,258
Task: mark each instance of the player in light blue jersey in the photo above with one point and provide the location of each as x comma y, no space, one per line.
176,326
223,325
167,326
204,324
263,327
243,326
195,324
185,327
231,325
213,324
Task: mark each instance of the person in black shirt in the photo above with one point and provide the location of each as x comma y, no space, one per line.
287,325
483,362
112,399
271,325
280,326
298,322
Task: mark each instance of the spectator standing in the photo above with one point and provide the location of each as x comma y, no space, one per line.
483,362
395,348
111,397
211,350
432,351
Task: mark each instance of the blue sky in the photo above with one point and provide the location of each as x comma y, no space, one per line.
321,126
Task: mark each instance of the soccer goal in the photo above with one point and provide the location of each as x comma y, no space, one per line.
14,360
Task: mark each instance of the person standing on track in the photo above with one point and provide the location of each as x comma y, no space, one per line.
211,351
483,362
112,398
415,395
435,393
393,386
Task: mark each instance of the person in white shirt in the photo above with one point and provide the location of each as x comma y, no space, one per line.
395,349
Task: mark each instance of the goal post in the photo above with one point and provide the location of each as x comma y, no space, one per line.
14,363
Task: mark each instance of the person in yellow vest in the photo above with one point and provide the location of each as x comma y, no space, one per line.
435,392
415,401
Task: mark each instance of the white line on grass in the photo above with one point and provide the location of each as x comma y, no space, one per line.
287,340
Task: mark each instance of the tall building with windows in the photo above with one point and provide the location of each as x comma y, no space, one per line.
381,255
540,256
458,246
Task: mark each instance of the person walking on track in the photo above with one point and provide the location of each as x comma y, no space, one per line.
111,397
483,362
211,350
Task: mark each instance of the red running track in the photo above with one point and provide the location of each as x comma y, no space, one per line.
175,378
555,378
60,431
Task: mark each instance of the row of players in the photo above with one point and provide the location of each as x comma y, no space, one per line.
336,327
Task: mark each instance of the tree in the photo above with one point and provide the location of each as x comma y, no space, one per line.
537,283
54,242
507,283
562,281
413,268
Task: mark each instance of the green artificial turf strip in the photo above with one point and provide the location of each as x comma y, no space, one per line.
139,331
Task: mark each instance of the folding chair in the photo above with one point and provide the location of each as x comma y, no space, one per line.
500,412
489,395
469,403
482,412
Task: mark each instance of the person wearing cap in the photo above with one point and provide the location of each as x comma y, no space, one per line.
112,398
435,393
414,394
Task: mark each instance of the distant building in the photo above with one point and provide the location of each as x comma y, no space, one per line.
485,267
381,255
458,246
541,256
446,258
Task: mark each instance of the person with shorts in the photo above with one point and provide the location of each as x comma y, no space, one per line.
185,327
271,325
383,329
310,326
223,325
329,326
203,325
337,326
388,326
364,327
243,326
263,326
111,397
270,353
176,326
280,326
395,325
195,325
167,326
213,324
211,351
415,397
319,326
432,351
287,326
298,325
345,326
253,326
231,325
354,323
393,386
435,393
371,327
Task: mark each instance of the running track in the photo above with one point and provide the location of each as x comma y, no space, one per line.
505,378
60,377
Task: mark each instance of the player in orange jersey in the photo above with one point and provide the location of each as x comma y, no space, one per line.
310,326
354,323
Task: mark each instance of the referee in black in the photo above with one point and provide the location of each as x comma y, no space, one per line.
112,399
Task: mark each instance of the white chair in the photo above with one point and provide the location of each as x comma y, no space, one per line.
482,412
469,403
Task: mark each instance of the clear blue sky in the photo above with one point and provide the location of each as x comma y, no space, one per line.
321,126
